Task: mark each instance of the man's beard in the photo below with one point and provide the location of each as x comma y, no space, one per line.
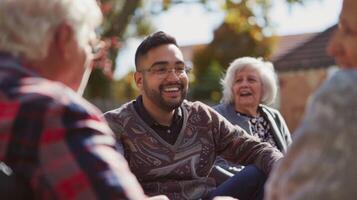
156,97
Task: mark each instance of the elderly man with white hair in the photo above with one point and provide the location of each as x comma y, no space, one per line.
53,140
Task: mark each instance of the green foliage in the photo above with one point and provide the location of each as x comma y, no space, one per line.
125,88
206,85
117,16
239,35
100,87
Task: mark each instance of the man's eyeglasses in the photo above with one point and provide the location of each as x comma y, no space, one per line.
162,69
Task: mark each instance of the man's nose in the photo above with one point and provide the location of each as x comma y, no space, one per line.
172,74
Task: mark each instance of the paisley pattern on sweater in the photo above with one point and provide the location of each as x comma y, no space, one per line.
180,171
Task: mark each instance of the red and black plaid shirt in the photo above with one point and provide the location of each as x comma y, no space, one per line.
56,141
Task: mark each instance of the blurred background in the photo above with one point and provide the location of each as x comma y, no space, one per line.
292,34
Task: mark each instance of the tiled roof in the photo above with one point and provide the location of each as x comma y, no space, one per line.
285,43
309,54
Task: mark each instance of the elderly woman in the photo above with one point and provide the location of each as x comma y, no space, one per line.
248,87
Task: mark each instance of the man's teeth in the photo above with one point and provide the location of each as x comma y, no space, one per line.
171,89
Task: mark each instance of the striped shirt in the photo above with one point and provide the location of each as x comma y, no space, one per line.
56,141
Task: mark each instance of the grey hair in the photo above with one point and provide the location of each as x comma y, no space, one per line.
266,73
27,26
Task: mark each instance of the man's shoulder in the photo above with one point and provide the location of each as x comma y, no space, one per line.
338,93
119,116
201,109
51,95
195,105
332,108
120,112
339,89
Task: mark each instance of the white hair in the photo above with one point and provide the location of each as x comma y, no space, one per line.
27,26
266,73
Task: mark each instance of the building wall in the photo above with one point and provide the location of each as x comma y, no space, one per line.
295,89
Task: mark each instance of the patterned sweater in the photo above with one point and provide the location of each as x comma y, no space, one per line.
180,171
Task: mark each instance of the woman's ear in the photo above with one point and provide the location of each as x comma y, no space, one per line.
63,39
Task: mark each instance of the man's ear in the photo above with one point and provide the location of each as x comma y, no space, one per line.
138,77
63,39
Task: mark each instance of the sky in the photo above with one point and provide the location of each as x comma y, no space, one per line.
191,24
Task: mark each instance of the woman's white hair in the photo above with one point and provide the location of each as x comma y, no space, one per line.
27,26
266,73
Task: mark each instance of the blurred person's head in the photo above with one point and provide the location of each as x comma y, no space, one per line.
161,72
343,44
249,82
51,37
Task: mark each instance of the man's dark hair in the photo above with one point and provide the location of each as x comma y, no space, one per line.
154,40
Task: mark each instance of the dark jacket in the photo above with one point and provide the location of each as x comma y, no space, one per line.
281,132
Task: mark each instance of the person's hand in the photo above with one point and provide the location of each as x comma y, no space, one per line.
224,198
160,197
101,58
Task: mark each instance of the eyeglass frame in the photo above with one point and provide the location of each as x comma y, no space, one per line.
96,43
168,70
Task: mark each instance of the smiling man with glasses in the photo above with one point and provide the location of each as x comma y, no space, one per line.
53,143
171,143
